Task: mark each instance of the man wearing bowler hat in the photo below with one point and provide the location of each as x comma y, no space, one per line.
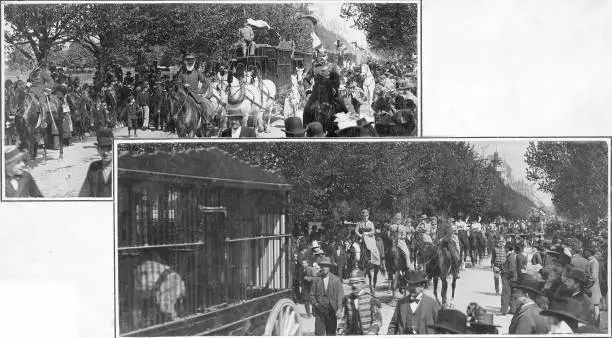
574,284
450,321
527,318
508,274
98,182
294,127
326,298
17,181
563,316
361,313
416,312
237,130
483,323
315,129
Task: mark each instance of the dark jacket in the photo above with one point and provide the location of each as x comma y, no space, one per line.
509,267
244,132
537,259
130,112
588,309
94,185
521,263
404,319
333,296
528,320
142,98
340,259
26,188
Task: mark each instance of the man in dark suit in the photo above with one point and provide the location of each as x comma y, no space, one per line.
237,130
99,182
508,274
326,297
416,312
339,258
527,319
521,259
17,181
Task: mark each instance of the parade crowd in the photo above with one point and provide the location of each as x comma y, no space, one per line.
562,291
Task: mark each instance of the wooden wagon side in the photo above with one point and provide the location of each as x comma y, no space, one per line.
217,222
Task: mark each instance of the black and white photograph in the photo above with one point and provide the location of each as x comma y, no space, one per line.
449,236
198,70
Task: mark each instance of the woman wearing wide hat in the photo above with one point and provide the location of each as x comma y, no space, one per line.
17,181
563,315
416,312
450,321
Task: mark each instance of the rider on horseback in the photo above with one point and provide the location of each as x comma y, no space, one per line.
425,229
326,85
398,232
40,83
192,79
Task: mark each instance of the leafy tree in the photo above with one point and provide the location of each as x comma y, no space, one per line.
42,28
388,26
575,173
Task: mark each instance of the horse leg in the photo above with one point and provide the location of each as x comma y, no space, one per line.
453,285
435,288
444,290
375,277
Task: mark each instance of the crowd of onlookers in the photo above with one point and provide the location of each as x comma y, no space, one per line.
549,285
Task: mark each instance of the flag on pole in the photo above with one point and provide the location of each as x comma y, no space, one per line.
316,42
258,23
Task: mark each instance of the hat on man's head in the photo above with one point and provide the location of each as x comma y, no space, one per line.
315,129
566,308
325,261
12,154
237,115
104,137
528,283
357,275
189,56
416,277
483,319
294,126
578,275
451,320
560,253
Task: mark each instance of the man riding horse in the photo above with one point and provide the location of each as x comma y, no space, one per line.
191,77
41,83
325,91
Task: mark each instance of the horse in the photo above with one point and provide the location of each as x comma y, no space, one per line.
80,114
217,94
251,100
395,264
477,247
364,263
464,245
437,261
190,117
29,124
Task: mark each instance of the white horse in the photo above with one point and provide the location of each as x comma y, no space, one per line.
252,100
217,94
369,84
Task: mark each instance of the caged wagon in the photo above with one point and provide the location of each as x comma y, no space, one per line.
203,247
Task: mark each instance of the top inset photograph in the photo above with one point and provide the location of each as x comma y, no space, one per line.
189,70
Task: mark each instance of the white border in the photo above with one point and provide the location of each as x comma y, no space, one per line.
607,140
3,197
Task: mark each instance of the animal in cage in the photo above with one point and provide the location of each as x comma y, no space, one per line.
159,294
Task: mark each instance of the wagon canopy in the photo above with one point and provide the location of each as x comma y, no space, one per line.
212,165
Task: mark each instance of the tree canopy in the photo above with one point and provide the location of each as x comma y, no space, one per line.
334,181
389,27
575,173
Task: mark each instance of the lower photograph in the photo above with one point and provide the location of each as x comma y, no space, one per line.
470,236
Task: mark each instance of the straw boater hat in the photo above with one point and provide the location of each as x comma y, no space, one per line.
416,277
357,276
235,115
451,320
566,308
12,154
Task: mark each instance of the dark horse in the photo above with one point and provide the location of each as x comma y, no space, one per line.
29,124
364,263
477,247
464,245
437,261
191,118
395,264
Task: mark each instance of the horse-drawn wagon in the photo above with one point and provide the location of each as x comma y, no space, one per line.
203,247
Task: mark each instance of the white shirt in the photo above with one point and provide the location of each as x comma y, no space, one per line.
14,183
236,132
414,306
325,281
106,172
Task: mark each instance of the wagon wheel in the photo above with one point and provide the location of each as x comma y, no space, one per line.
283,320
